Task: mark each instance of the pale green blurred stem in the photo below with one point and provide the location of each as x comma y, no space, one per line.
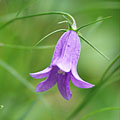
117,57
99,111
110,75
30,107
41,14
25,47
28,85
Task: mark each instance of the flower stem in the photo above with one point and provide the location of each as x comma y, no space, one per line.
94,47
59,30
40,14
93,23
98,111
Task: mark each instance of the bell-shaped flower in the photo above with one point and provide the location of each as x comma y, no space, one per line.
63,67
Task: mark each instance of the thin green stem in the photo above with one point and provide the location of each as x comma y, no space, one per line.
99,111
94,47
92,23
70,23
48,36
41,14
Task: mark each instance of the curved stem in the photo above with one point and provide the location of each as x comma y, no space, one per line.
40,14
59,30
93,23
99,111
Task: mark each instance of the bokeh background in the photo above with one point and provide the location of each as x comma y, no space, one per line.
17,60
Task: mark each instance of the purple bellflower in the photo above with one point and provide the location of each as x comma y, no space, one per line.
63,67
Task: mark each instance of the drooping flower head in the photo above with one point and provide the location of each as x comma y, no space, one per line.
63,67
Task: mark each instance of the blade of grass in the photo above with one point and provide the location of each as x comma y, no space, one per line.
30,107
117,69
111,74
92,23
24,115
116,79
92,92
112,63
17,75
94,47
99,111
13,72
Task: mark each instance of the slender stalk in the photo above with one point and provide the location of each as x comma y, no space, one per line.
99,111
48,36
94,47
40,14
92,23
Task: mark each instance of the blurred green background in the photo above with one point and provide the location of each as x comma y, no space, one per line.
16,86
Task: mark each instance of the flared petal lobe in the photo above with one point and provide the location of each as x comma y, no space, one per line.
65,51
49,82
41,74
63,82
77,81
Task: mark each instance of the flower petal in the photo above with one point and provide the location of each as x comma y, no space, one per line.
58,48
63,85
41,74
68,53
78,82
49,82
